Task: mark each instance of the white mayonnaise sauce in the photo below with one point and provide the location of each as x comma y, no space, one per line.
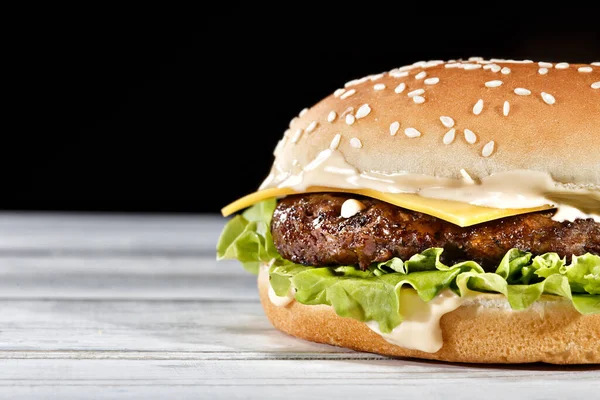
420,329
351,207
568,213
279,301
512,189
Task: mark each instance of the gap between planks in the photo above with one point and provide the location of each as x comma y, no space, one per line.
185,355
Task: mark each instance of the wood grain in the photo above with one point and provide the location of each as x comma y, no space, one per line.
121,306
108,234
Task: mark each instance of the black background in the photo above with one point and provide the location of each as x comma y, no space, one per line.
179,112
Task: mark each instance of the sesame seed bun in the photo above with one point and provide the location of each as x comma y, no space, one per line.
484,330
456,120
505,115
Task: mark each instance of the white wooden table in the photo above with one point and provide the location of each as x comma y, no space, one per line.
119,306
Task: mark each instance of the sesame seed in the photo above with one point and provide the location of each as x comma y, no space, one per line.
400,88
418,99
514,61
595,85
347,111
596,63
412,132
363,111
431,81
332,116
406,68
421,75
585,69
433,63
543,71
394,126
466,176
545,64
548,98
493,83
348,94
506,108
447,121
376,76
303,112
398,74
522,92
478,107
495,68
469,67
488,66
505,70
449,136
470,136
296,136
356,143
379,86
311,127
452,65
339,92
350,119
562,65
475,59
488,149
417,92
293,121
335,142
356,81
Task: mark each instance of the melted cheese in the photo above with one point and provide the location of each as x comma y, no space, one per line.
459,213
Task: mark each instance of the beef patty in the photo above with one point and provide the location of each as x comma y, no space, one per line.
308,229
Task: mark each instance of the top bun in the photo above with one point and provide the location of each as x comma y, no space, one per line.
506,115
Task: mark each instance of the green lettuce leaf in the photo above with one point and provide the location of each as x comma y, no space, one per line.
583,274
362,295
247,237
374,294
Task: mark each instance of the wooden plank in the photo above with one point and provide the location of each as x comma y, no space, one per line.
65,233
119,277
150,326
117,257
289,379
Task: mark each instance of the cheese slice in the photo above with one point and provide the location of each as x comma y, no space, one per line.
461,214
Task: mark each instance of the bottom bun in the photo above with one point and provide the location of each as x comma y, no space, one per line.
484,330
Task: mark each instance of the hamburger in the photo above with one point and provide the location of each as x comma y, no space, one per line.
444,210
